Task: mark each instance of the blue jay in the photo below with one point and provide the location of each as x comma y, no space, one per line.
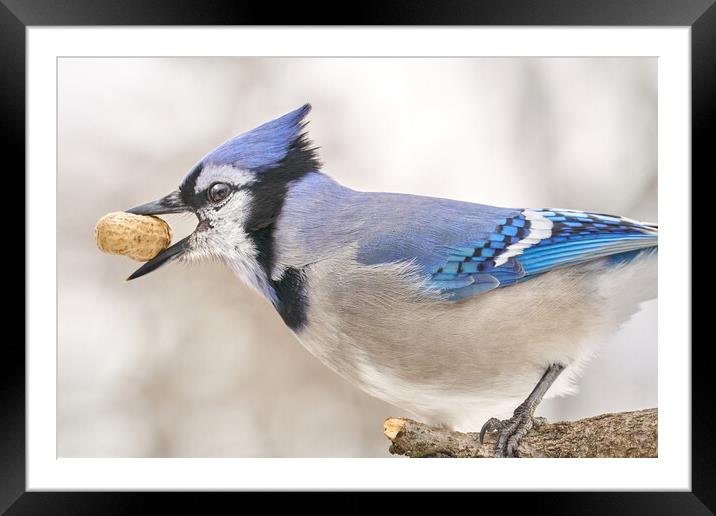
451,310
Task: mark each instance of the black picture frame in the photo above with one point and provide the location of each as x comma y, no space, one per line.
17,15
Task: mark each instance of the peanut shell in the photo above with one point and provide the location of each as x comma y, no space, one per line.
139,237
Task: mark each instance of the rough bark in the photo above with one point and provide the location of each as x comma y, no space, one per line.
627,434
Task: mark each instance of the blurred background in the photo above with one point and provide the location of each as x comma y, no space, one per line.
188,362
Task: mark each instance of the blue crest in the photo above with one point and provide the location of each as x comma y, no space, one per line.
262,147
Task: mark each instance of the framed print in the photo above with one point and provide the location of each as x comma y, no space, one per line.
457,213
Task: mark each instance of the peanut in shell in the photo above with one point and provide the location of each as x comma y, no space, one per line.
140,237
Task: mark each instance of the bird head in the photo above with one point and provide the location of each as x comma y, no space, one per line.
236,191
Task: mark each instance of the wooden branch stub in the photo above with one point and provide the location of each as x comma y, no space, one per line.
393,426
627,434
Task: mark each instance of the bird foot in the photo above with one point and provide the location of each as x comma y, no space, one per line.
510,431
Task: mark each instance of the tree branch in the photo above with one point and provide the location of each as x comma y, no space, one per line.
627,434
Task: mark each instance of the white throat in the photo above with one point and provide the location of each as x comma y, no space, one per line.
251,273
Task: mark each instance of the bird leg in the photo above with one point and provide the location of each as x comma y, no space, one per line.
513,429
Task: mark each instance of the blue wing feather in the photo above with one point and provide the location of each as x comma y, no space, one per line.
537,241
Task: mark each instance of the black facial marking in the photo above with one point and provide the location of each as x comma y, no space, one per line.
268,194
187,187
290,290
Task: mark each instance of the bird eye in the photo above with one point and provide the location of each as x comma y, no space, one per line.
218,192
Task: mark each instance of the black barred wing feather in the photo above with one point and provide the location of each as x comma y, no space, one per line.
537,241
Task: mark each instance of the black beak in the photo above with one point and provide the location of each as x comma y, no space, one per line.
172,203
169,254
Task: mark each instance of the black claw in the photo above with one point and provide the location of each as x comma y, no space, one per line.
511,432
490,425
514,441
502,441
